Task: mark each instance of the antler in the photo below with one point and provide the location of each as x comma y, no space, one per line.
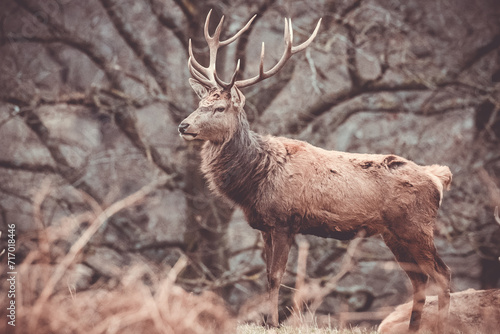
208,75
287,54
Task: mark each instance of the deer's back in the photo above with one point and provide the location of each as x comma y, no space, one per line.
329,192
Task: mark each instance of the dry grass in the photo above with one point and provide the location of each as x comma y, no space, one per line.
254,329
131,307
142,300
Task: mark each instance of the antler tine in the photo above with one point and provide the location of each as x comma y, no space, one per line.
203,71
213,41
197,74
261,64
207,22
225,85
290,50
239,33
304,45
208,75
289,30
216,40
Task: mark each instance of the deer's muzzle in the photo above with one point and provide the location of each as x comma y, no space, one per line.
183,131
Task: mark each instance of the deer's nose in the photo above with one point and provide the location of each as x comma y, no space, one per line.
183,127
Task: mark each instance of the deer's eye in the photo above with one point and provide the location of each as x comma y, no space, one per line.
219,109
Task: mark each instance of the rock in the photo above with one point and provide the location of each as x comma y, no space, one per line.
471,311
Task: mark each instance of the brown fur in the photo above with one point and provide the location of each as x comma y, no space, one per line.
286,186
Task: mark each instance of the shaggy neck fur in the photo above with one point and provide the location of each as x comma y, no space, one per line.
236,167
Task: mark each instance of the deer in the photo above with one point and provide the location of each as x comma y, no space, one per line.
287,187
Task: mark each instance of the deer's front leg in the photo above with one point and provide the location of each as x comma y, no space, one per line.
276,248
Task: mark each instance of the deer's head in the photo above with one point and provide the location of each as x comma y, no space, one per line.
221,105
217,115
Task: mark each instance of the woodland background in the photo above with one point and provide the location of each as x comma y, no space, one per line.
91,93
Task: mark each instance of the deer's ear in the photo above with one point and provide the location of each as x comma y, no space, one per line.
237,97
199,88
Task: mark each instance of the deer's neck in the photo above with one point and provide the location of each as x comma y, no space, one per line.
237,167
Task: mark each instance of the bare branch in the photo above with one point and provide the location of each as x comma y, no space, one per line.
159,245
62,35
188,8
342,112
12,193
161,12
323,287
134,41
27,167
478,54
127,123
326,103
122,115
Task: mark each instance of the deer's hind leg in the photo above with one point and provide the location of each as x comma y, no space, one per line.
417,277
414,242
433,265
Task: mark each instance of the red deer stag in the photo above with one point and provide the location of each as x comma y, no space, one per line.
286,186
